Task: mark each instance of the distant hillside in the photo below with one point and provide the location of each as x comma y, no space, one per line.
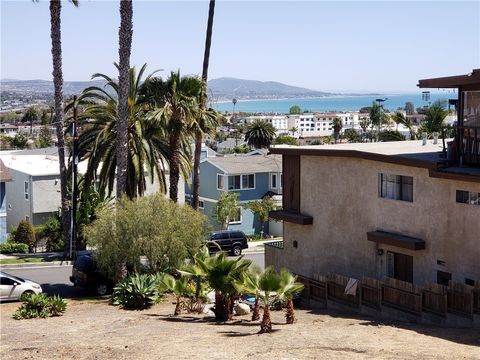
46,87
228,88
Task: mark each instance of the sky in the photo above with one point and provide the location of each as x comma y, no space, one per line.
321,45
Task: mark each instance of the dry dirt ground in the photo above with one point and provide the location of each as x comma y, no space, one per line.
97,330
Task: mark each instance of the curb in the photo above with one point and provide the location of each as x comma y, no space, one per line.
37,264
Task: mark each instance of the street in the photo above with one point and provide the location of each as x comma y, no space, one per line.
55,279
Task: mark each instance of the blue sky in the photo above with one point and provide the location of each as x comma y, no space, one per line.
357,45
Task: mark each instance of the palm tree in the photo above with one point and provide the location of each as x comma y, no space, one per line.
250,284
400,118
176,100
178,287
337,127
289,288
125,45
269,284
55,34
293,130
376,115
434,118
203,99
364,124
147,141
260,134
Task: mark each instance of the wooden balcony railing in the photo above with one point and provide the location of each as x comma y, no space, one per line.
468,145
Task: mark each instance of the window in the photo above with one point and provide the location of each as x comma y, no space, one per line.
468,197
27,192
443,277
234,182
220,182
241,182
396,187
274,181
248,181
201,204
400,266
236,217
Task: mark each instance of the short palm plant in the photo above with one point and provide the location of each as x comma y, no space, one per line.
179,288
269,284
289,288
250,284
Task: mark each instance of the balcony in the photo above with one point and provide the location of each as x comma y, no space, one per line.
467,139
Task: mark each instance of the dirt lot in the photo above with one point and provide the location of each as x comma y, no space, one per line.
97,330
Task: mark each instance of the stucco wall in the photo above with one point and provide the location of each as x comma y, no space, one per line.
342,196
17,206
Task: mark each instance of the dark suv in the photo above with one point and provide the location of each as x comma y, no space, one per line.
232,241
86,274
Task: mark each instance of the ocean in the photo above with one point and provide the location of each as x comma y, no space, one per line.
337,103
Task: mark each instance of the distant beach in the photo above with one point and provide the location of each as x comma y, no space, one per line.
331,103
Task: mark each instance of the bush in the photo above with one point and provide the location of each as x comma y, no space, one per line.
25,234
137,292
52,230
13,248
390,135
40,305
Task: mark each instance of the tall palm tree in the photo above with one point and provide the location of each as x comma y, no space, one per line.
147,140
364,124
376,115
289,288
55,34
125,45
260,134
176,100
203,100
337,127
400,118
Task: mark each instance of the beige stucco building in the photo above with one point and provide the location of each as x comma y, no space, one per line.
379,210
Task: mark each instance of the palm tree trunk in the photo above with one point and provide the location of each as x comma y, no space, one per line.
174,166
125,46
229,307
290,316
256,311
203,100
55,34
266,325
177,307
221,307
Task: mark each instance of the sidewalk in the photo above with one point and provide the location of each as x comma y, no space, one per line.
47,259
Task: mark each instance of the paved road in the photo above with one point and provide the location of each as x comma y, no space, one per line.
55,279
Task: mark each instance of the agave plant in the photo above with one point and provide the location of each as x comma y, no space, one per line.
138,291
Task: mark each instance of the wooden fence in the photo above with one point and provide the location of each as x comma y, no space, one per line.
437,299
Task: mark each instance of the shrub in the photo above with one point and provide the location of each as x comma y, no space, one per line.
40,305
52,230
25,234
390,135
137,292
13,248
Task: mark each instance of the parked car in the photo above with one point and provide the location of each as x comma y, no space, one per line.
13,287
85,273
232,241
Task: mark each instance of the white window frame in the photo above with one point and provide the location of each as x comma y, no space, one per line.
241,217
223,180
241,182
27,190
276,180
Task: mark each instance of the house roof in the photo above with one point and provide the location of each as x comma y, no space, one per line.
4,173
230,143
34,165
451,81
241,164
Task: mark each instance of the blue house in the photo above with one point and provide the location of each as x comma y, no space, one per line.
4,177
251,175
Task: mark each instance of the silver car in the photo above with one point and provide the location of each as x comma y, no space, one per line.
13,287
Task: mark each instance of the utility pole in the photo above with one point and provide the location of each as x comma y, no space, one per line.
73,209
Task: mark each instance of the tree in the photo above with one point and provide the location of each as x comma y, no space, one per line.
293,130
162,231
45,117
364,124
285,139
269,282
179,288
25,234
376,115
400,118
44,137
147,139
200,130
176,101
125,45
55,34
260,134
409,108
261,208
30,116
225,208
19,141
389,135
289,287
249,284
434,118
352,136
337,127
295,110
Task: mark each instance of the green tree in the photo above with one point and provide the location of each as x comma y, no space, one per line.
179,288
352,135
364,124
45,117
409,108
389,135
269,282
162,231
376,115
177,107
260,134
30,116
288,289
434,118
261,209
19,141
400,118
285,139
25,234
293,130
44,137
225,208
249,284
148,142
337,127
123,92
295,110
